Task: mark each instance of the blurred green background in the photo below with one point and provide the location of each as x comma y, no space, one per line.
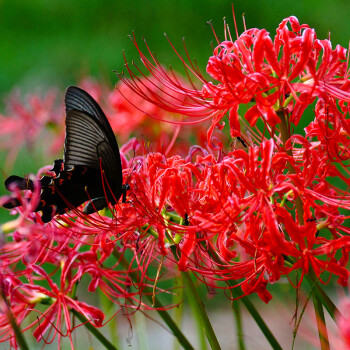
56,42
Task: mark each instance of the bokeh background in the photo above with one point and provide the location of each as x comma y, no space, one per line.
53,43
56,43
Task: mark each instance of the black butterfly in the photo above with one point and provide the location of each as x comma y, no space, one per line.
91,169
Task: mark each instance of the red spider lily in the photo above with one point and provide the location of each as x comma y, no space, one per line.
230,203
330,129
26,121
130,110
234,202
114,281
19,310
60,303
287,72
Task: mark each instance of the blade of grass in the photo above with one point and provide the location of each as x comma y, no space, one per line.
103,340
197,303
261,323
322,295
19,336
148,293
253,312
112,324
321,323
239,326
246,302
178,300
142,340
317,289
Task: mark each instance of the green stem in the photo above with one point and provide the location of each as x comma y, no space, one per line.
261,323
90,327
317,289
197,303
249,306
285,135
148,293
103,340
201,334
174,217
238,318
252,310
298,319
321,323
178,310
140,325
323,297
7,311
107,304
170,323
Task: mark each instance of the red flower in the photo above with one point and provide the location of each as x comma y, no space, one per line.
288,72
25,122
26,296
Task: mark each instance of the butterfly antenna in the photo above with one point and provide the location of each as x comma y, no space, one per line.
133,167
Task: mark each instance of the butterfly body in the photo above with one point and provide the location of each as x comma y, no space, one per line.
91,167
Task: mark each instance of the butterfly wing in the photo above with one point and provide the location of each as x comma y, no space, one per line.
90,145
89,137
86,144
77,99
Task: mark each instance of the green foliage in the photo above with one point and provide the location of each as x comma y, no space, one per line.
54,43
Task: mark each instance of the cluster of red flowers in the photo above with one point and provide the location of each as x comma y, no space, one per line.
39,115
44,120
275,202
